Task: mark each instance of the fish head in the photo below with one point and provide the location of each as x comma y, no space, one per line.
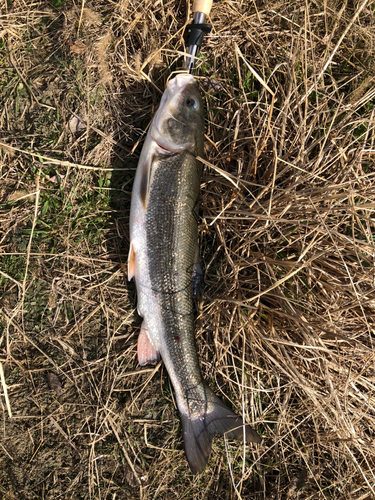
179,122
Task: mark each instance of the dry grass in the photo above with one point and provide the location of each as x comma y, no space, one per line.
286,330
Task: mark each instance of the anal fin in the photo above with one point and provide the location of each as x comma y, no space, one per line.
146,350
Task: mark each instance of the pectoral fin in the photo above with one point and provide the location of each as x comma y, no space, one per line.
144,187
146,350
131,262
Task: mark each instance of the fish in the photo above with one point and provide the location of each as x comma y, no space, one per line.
164,260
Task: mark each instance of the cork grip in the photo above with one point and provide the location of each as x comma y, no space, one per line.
203,6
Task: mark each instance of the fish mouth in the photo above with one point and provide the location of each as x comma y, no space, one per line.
179,81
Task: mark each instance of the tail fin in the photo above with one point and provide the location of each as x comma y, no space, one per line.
198,432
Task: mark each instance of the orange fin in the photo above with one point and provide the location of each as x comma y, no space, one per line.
131,262
146,350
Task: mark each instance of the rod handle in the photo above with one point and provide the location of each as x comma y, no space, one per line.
203,6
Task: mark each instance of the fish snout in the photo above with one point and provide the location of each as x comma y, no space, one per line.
179,82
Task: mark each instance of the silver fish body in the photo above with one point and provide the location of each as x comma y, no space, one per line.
163,258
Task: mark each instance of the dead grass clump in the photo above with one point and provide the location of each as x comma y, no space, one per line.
286,329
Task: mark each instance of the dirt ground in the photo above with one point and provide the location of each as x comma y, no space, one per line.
285,334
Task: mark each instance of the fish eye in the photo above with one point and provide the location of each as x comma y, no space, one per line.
191,103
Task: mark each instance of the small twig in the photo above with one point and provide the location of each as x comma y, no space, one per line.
253,72
62,163
219,171
131,465
80,17
19,73
10,278
5,390
79,325
35,218
63,433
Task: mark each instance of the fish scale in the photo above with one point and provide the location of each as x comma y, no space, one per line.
171,228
